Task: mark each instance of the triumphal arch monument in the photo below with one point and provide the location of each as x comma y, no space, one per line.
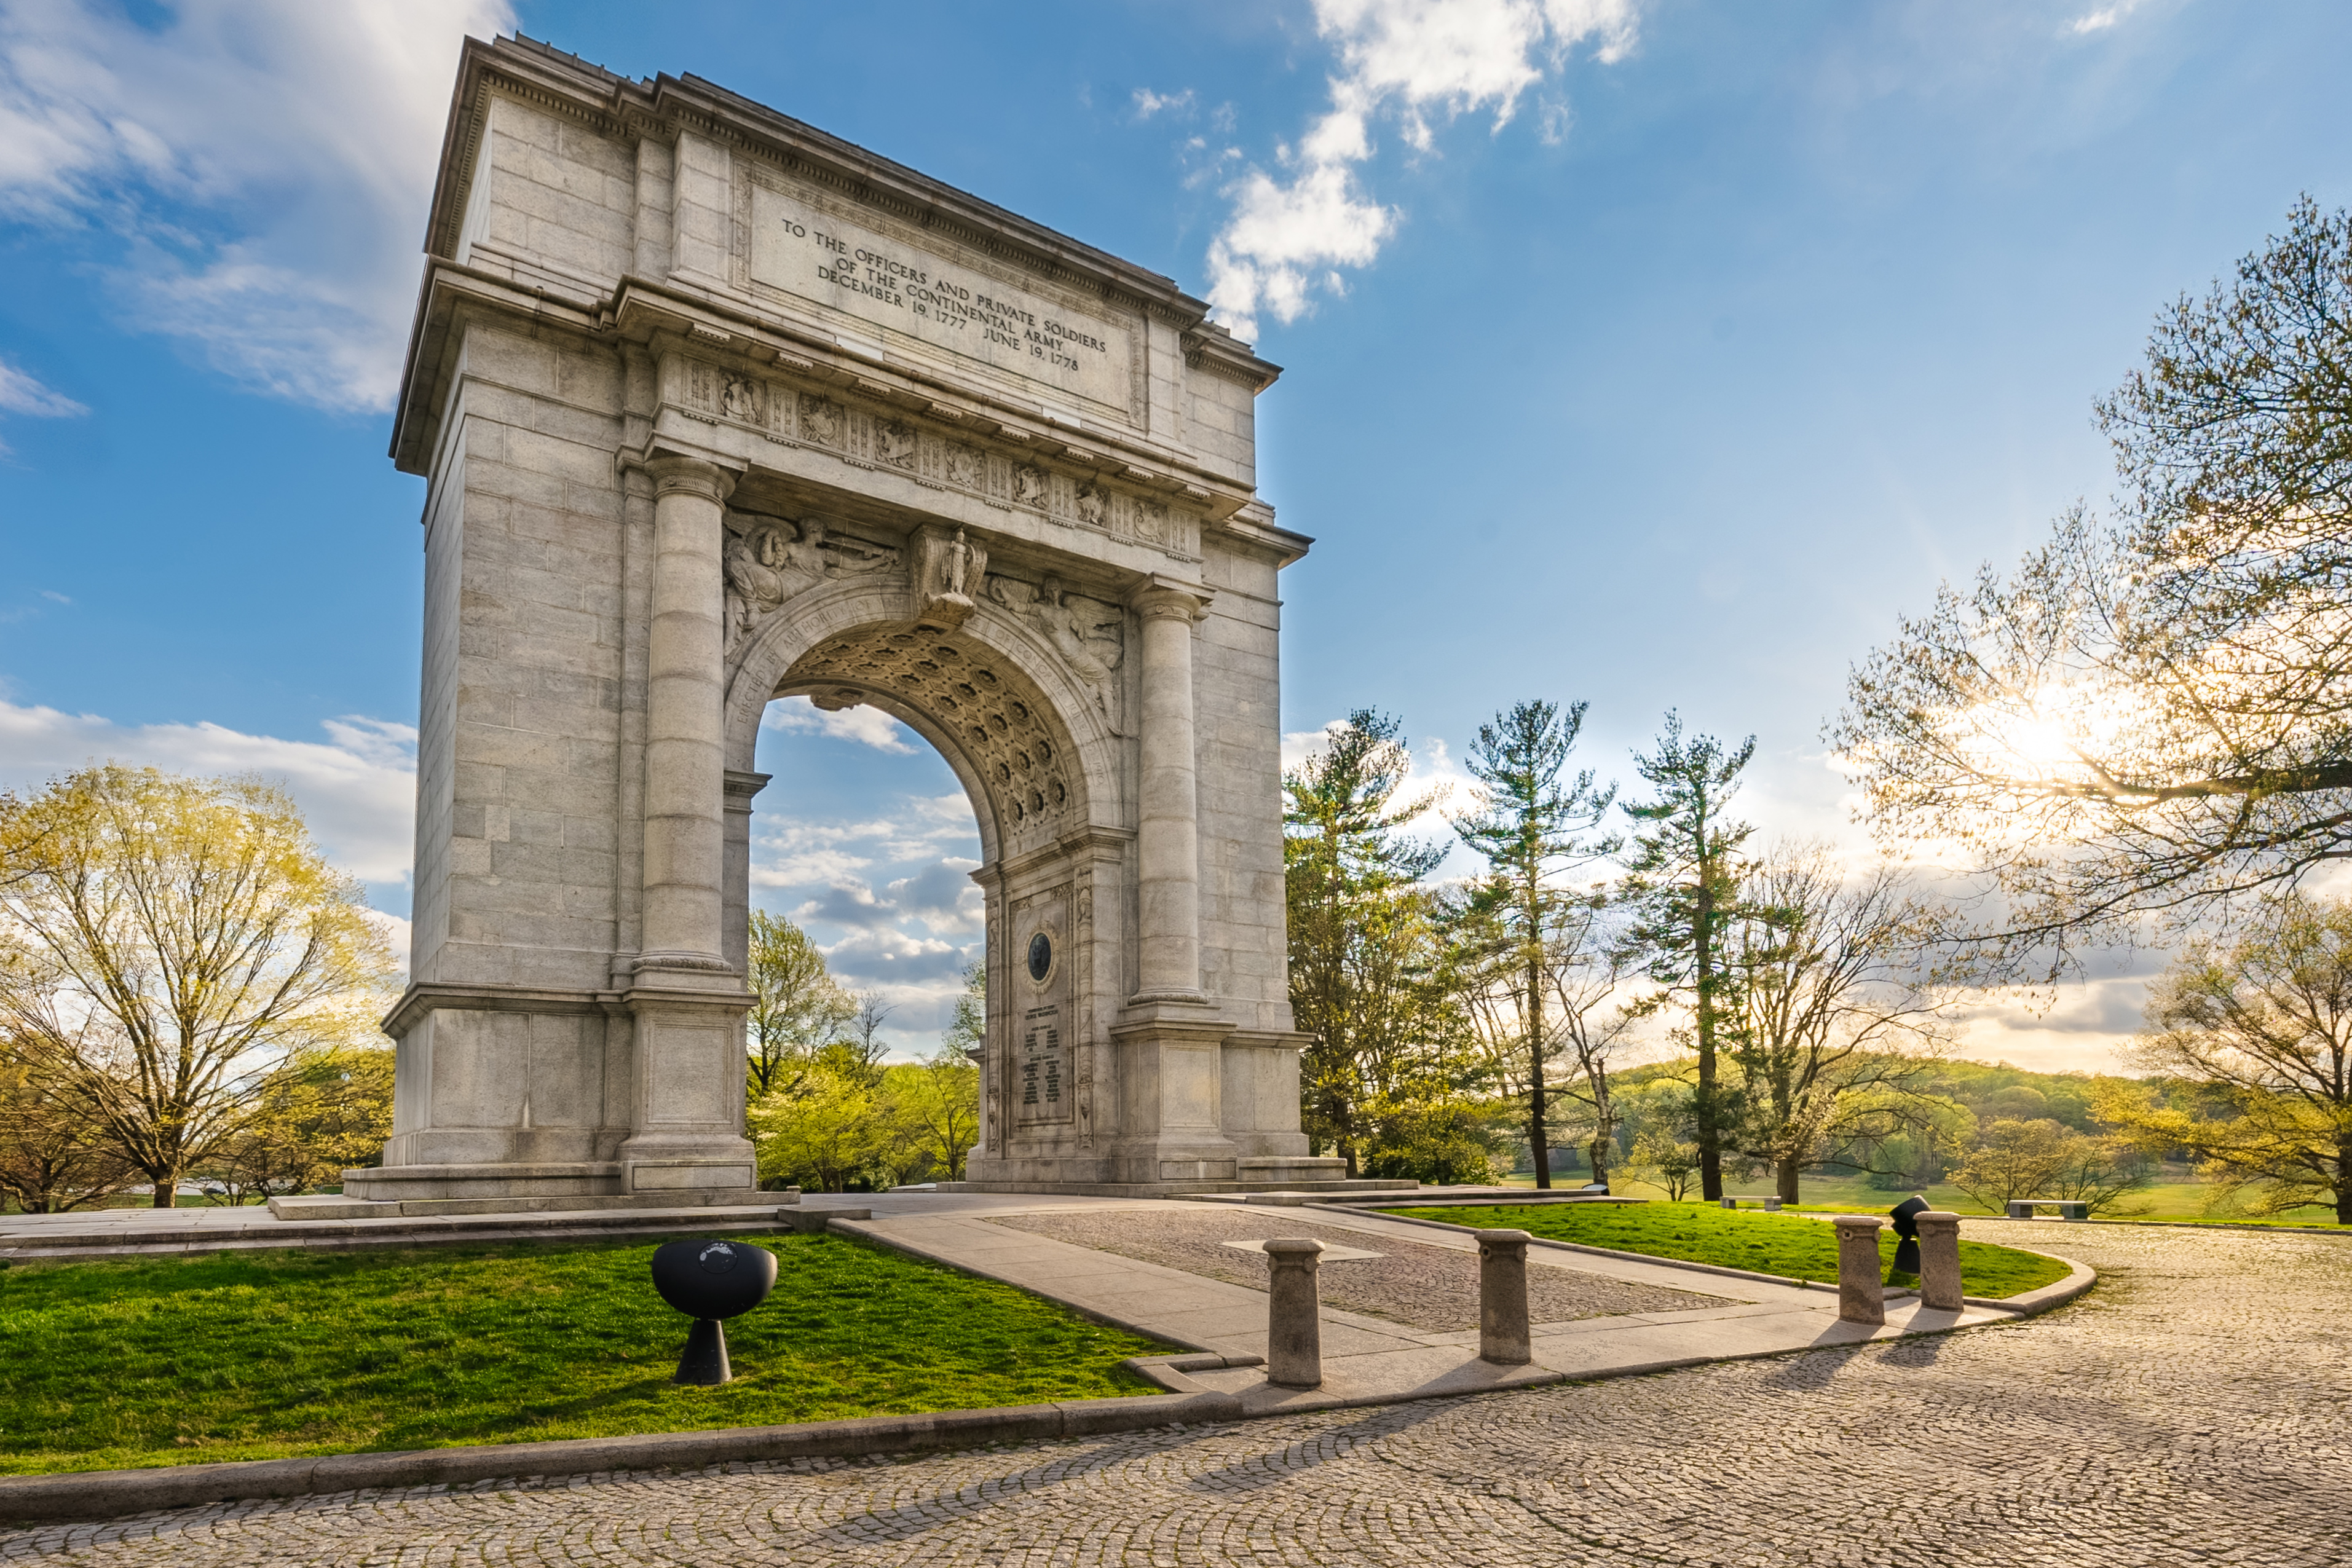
716,409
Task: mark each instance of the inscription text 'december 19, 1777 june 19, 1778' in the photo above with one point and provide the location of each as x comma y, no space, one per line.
816,255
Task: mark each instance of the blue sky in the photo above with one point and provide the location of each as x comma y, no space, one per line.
1653,354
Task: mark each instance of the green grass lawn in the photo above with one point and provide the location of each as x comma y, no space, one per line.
1783,1244
251,1356
2165,1200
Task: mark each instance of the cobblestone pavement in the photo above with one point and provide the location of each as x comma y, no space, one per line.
2192,1409
1405,1281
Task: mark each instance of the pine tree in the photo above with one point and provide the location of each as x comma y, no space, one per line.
1531,831
1683,882
1360,942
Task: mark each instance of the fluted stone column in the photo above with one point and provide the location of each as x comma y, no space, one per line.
1168,840
687,1001
686,766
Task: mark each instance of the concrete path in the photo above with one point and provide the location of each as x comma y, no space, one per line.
1369,1360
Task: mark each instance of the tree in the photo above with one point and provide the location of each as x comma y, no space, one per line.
937,1103
330,1109
864,1042
1839,1004
1364,947
823,1133
1531,831
49,1161
2153,718
2042,1159
2264,1024
796,1005
967,1030
1682,883
167,946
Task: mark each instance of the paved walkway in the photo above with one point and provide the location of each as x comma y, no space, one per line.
2196,1408
1367,1358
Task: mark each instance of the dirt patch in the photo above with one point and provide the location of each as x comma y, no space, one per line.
1433,1288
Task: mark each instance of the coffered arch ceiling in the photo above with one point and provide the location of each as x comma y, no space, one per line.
1012,744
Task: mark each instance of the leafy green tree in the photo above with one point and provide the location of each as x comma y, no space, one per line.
796,1004
2042,1159
1364,950
168,947
330,1111
967,1030
935,1104
1532,831
2152,718
1683,884
2263,1025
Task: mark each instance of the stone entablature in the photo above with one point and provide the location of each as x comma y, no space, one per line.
716,409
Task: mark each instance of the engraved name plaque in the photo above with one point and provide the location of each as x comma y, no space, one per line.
1048,339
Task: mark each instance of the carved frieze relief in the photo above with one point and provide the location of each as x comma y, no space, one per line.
719,394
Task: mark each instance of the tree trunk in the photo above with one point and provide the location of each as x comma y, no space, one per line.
1710,1138
1788,1182
167,1193
1538,1135
1597,1155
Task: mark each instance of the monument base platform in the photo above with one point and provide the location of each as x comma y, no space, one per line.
330,1206
1170,1188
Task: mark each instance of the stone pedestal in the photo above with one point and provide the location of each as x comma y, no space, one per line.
1862,1289
1939,1260
1294,1321
1505,1336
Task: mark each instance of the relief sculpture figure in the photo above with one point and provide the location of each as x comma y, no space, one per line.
1090,636
771,561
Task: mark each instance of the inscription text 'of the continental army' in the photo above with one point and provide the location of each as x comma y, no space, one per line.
818,257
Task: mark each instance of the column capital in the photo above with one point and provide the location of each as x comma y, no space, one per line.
677,474
1167,598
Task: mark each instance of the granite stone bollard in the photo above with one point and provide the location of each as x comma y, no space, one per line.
1294,1324
1503,1333
1939,1260
1861,1292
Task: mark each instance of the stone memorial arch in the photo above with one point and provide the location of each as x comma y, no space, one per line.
716,409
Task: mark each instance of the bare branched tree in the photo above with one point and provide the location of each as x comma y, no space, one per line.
1841,1000
2154,717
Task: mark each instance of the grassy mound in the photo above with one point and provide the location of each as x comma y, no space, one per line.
251,1356
1788,1245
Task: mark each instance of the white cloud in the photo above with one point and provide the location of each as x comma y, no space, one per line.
358,788
2104,17
266,164
1149,103
867,726
1415,61
20,393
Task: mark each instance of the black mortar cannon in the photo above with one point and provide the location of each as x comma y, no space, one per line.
711,1281
1905,1215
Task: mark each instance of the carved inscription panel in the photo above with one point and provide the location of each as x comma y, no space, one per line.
1044,1092
1042,338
